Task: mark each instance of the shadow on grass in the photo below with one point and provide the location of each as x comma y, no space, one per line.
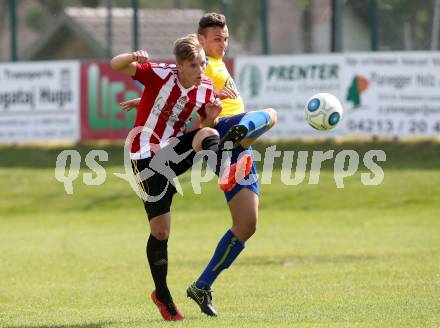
85,325
313,259
100,324
301,260
400,155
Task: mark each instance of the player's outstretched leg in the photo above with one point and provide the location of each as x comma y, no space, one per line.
255,123
234,135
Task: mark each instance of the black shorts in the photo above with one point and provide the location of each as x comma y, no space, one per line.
156,182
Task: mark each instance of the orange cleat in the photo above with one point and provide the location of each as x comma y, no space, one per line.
236,173
168,311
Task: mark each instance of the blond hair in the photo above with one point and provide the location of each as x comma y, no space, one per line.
187,48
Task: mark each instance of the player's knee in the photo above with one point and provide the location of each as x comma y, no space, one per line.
251,228
161,233
247,230
201,135
207,132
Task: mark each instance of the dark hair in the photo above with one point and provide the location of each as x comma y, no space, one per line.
211,20
187,48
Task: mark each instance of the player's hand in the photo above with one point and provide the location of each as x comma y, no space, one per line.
141,56
129,104
227,93
213,109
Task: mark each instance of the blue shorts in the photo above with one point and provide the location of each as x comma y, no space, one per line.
251,181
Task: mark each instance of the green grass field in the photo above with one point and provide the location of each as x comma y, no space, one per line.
353,257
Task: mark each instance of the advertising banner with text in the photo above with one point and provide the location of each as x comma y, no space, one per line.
39,101
102,89
392,94
383,94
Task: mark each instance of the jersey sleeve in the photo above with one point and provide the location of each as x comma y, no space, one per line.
149,72
144,73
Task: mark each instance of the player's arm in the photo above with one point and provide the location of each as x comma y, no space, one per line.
212,110
130,104
126,63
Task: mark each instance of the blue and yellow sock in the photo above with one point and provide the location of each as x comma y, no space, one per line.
228,248
256,122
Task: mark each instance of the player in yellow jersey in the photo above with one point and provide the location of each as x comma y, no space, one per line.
242,197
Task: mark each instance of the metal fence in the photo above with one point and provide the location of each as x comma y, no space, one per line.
256,26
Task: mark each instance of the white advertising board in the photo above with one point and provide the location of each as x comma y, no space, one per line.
285,83
392,94
39,101
383,94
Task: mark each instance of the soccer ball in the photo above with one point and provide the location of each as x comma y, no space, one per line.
323,111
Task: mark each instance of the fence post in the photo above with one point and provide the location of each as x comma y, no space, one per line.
264,26
135,5
435,26
13,25
373,24
336,37
109,29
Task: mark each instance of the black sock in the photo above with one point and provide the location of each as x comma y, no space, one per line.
211,143
157,255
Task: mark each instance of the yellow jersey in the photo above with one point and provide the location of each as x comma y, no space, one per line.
217,71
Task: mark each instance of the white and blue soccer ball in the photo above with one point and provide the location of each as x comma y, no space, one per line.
323,111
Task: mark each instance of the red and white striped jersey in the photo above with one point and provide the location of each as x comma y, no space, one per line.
165,107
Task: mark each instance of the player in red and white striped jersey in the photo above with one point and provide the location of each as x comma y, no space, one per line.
166,105
171,95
